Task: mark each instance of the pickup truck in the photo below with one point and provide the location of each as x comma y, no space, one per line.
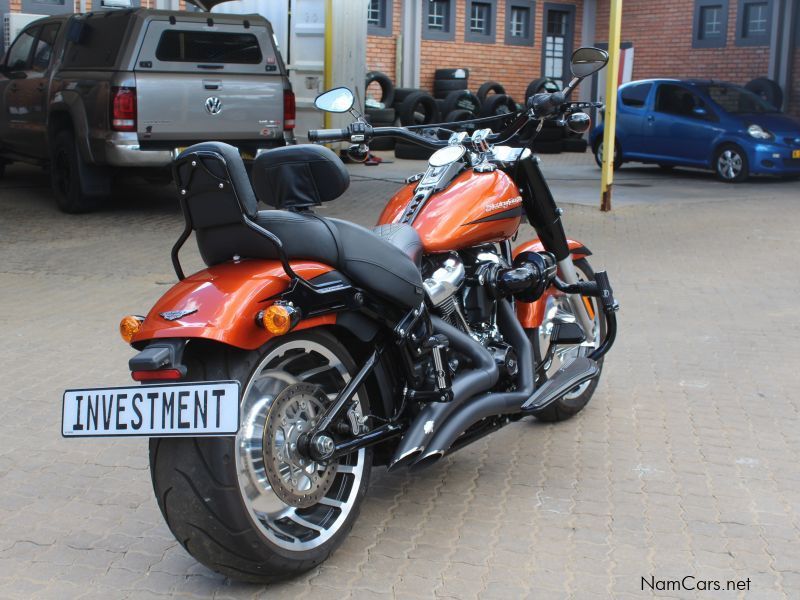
86,95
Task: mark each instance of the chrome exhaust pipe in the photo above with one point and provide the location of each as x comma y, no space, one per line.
480,378
487,404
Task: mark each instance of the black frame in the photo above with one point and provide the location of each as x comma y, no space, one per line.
481,38
529,39
385,27
698,41
570,46
741,24
434,34
34,29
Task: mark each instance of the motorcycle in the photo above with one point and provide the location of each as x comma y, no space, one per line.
311,349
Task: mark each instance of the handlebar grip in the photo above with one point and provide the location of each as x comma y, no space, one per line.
328,135
545,103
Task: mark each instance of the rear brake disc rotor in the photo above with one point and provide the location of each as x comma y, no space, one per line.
296,479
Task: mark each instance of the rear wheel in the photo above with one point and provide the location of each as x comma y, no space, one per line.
598,154
251,507
558,308
78,187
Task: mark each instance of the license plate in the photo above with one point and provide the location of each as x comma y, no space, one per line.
159,410
795,153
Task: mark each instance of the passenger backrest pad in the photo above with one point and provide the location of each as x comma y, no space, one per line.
217,189
299,176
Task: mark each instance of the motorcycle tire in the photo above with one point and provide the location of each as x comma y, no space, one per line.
489,87
458,115
215,493
2,169
463,99
418,109
387,87
400,94
381,117
442,88
499,104
543,84
574,401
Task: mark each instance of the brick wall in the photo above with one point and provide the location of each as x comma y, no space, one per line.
661,33
382,49
512,66
794,101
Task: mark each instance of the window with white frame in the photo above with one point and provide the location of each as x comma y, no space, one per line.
710,23
754,22
379,17
519,22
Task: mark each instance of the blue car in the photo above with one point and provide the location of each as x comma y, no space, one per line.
705,124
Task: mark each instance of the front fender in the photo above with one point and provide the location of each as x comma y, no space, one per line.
530,314
224,301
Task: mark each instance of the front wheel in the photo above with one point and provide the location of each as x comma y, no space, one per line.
730,164
559,309
252,507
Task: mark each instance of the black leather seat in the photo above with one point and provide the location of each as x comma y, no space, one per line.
386,264
404,237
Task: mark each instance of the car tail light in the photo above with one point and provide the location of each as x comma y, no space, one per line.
123,108
289,110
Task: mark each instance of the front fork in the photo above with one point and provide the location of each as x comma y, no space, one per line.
570,275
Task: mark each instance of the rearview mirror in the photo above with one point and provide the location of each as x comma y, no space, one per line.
337,100
586,61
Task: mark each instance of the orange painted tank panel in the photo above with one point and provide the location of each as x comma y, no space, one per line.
227,298
475,208
530,314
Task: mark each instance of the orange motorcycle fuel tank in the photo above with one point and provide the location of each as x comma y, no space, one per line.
476,208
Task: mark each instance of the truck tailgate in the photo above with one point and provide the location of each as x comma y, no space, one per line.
195,82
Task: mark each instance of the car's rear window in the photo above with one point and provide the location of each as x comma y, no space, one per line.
95,40
208,47
635,95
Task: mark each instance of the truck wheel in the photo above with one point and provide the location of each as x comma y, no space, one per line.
78,187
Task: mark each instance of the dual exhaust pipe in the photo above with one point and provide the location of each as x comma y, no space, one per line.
439,424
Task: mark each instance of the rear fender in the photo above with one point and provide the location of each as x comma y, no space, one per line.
220,303
530,314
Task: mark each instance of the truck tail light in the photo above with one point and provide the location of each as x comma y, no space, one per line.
123,108
289,110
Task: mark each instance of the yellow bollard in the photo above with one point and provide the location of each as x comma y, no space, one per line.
610,120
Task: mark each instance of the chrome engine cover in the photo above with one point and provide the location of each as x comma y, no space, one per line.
445,281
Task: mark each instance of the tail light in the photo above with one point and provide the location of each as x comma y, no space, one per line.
289,110
123,108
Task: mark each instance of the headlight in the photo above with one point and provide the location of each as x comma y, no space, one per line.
759,132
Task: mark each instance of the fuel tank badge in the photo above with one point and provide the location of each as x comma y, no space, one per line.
174,315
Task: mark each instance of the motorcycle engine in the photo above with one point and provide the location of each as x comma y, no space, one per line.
460,291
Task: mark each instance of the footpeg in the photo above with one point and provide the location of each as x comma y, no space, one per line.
580,370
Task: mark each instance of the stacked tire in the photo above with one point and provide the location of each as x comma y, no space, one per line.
381,117
449,80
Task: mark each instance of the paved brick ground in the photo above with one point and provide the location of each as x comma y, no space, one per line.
685,462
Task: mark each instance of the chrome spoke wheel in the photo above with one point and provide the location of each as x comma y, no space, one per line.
729,164
295,503
558,309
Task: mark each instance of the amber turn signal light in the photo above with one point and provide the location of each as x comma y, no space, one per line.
278,319
129,326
